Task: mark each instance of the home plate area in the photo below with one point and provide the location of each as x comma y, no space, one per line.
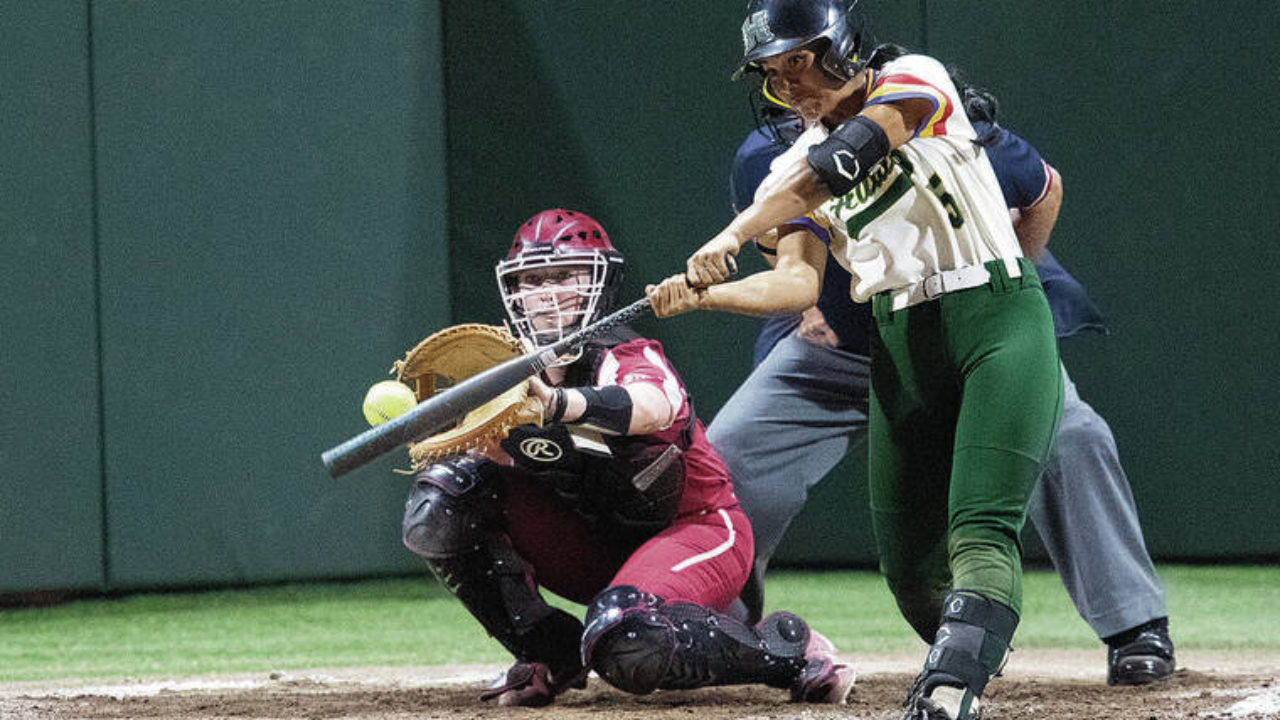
1048,684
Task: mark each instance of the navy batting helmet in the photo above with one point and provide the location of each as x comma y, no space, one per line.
773,27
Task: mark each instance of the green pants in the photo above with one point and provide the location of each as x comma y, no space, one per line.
966,398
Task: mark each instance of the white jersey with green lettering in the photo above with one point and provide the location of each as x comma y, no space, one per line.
934,204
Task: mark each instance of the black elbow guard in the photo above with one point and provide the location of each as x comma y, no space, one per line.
847,156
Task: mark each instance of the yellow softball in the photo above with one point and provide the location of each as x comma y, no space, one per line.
386,400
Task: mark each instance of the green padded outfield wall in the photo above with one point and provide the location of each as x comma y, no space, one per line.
248,200
625,110
50,468
271,199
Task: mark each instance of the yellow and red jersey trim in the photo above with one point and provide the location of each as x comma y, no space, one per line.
904,86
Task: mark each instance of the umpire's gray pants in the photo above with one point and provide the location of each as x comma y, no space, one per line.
801,410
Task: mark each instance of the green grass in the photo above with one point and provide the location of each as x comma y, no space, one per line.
1210,608
414,622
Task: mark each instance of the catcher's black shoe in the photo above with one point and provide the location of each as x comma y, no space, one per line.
824,679
1140,656
530,685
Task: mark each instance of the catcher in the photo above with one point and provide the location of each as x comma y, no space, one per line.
608,494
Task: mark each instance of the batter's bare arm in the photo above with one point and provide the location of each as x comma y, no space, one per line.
791,286
799,190
799,187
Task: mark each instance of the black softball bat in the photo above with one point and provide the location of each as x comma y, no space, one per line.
437,412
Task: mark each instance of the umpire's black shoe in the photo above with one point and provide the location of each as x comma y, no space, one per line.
1141,655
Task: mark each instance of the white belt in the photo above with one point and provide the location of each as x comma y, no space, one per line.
945,282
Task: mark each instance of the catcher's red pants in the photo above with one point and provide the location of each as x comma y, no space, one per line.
702,558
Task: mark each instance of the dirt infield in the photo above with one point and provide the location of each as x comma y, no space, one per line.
1042,685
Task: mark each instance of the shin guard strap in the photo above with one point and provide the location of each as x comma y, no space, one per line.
969,607
960,665
980,626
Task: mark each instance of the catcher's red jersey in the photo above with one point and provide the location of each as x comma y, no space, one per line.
702,556
706,486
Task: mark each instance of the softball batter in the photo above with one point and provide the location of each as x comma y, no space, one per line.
966,391
805,405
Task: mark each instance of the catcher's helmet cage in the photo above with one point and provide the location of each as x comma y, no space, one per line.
555,239
773,27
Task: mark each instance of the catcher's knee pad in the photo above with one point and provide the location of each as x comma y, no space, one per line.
453,508
972,641
639,643
627,640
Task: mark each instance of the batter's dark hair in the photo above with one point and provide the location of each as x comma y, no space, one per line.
885,53
979,103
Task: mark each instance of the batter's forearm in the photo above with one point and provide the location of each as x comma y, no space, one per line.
797,192
773,292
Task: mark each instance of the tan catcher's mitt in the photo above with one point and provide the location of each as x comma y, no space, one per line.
450,356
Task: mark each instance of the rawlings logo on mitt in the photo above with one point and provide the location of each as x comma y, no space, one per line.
450,356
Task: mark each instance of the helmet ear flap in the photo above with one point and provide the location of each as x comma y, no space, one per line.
843,58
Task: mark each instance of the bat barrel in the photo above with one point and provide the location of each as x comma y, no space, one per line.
436,413
359,450
429,417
